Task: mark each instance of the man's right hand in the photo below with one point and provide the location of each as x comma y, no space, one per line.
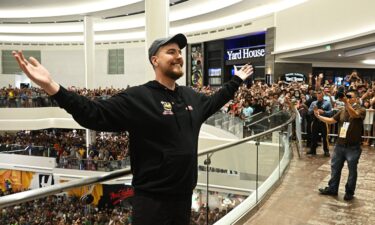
37,73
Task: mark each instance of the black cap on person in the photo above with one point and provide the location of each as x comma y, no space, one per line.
179,39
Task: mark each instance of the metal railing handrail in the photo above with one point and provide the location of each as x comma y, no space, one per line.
250,138
264,118
17,198
14,199
254,115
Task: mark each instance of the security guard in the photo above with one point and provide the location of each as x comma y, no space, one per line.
324,108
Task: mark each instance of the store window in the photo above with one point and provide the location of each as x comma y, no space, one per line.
115,61
9,63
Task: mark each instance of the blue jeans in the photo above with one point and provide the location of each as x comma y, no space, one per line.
341,153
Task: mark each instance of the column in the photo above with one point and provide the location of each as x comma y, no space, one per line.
89,50
270,59
89,45
90,140
156,26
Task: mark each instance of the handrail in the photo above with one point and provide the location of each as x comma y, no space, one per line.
231,144
14,199
256,114
264,118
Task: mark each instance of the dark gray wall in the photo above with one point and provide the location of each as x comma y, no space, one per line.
283,68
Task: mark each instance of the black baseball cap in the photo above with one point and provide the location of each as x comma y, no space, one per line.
179,39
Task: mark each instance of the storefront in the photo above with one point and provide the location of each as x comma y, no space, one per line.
211,63
249,49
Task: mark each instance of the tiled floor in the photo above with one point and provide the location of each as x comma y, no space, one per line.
297,200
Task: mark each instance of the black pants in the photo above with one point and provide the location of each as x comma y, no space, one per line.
308,130
158,211
316,128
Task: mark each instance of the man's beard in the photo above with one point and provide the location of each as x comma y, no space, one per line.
174,75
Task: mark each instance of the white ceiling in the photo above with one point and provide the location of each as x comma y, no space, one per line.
57,17
65,17
346,52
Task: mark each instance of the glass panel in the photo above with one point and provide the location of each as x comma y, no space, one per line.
232,178
230,183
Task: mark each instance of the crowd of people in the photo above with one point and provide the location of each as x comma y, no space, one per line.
261,97
248,100
69,147
63,210
11,97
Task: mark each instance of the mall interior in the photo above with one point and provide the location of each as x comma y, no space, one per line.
255,161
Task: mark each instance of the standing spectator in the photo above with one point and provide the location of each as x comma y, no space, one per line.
348,146
324,108
368,121
163,120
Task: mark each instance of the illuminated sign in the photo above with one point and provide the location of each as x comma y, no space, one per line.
245,53
290,77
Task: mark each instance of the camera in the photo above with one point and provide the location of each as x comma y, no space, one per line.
339,95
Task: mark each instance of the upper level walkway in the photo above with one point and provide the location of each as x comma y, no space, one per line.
297,200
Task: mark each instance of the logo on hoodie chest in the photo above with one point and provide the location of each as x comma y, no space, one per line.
167,106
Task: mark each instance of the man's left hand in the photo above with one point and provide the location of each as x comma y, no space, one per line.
246,71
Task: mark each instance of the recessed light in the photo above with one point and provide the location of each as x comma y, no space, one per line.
339,55
369,61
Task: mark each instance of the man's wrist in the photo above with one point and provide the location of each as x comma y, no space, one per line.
52,88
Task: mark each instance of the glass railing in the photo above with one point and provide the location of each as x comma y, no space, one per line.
26,150
92,164
227,122
27,102
256,123
245,169
232,178
36,101
66,162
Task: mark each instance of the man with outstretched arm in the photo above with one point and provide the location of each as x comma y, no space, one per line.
348,145
163,120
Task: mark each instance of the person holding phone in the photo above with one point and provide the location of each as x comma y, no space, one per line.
348,145
163,120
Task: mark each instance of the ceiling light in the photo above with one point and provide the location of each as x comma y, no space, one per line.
369,61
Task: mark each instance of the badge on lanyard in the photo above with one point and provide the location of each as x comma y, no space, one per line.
344,129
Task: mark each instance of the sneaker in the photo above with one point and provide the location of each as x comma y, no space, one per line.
327,191
326,154
348,197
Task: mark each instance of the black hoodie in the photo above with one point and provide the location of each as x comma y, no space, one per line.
163,126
